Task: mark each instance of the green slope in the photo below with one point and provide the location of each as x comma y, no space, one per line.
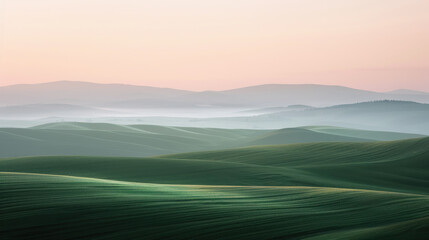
353,190
311,154
394,166
360,133
302,135
389,166
59,207
103,139
154,170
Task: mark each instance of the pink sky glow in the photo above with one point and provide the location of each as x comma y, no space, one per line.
377,45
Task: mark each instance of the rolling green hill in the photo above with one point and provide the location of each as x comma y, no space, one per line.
373,190
360,133
393,166
370,190
103,139
302,135
59,207
376,165
325,190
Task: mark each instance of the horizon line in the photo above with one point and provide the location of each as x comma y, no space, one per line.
207,90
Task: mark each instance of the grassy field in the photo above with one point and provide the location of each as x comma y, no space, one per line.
102,139
360,190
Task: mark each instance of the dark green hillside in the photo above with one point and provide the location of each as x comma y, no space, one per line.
389,166
393,166
331,190
318,154
58,207
154,170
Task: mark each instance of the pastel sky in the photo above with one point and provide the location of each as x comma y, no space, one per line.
217,44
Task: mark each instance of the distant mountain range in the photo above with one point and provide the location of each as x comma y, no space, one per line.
80,93
400,116
397,116
129,96
407,91
272,106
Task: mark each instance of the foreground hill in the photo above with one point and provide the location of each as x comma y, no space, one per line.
102,139
85,208
372,190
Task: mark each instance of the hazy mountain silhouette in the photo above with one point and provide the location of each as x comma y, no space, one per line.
129,96
407,92
80,93
397,116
